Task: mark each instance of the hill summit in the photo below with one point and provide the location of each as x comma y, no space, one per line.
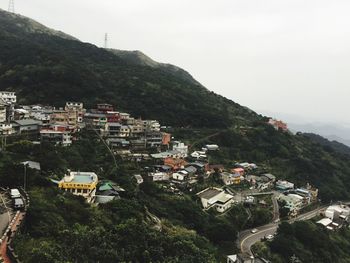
51,67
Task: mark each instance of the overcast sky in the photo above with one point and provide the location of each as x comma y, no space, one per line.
280,56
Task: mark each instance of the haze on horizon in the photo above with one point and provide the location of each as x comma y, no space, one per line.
287,57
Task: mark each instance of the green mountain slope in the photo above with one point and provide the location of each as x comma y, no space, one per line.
336,146
138,58
50,69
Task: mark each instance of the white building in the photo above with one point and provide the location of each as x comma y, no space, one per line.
181,148
335,212
151,125
284,185
6,129
3,105
159,176
293,202
138,178
216,197
8,96
180,176
74,105
41,113
199,154
212,147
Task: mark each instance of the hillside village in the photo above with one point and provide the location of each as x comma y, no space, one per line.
177,167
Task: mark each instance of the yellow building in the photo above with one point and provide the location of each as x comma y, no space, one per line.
80,183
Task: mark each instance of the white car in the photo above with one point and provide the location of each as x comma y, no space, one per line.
269,237
14,193
254,230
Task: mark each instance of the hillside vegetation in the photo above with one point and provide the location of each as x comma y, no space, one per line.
50,69
336,146
307,242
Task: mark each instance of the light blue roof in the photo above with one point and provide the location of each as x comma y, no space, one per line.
83,179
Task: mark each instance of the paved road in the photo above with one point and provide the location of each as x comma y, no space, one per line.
5,212
248,239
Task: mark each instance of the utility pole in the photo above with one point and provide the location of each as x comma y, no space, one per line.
25,175
106,41
11,8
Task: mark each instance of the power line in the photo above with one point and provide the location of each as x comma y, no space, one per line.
11,6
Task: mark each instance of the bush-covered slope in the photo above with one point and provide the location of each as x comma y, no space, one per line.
46,68
336,146
307,242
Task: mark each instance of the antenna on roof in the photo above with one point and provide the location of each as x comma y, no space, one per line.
106,41
11,6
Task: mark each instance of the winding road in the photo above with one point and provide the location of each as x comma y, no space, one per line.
247,239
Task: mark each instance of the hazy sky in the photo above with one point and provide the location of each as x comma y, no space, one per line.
287,56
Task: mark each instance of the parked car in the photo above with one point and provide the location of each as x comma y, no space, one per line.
255,230
269,237
18,203
14,193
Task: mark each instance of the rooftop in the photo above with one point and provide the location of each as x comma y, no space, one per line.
209,193
80,177
28,122
325,221
224,198
32,165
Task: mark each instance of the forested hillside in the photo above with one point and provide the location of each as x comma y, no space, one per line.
50,69
307,242
336,146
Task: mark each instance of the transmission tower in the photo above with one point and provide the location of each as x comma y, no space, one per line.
11,6
106,41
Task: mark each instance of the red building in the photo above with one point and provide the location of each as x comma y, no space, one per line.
278,125
113,116
166,138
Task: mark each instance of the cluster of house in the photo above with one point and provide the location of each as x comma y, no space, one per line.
294,199
177,166
60,125
122,131
51,124
335,217
87,185
278,125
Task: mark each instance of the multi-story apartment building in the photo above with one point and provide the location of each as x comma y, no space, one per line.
78,107
56,135
80,183
8,97
63,117
3,106
151,125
